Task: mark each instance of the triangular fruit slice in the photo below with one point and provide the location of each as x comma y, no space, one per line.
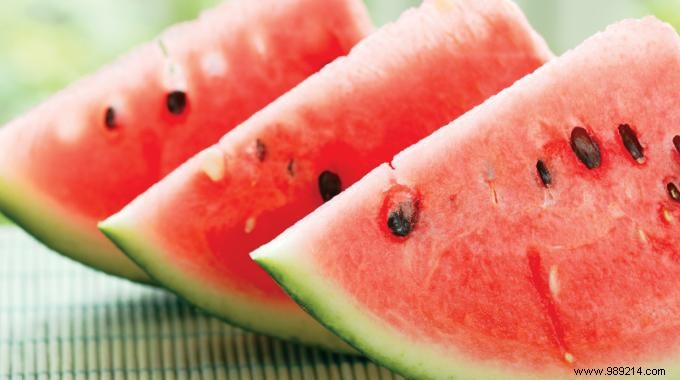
536,234
89,150
193,231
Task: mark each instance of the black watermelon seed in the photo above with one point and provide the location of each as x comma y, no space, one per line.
260,150
676,142
673,191
399,224
402,220
176,102
329,185
400,210
585,148
543,172
110,118
631,142
291,167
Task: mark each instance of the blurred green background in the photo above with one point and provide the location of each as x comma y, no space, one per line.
46,44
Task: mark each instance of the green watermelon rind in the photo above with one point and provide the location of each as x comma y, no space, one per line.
51,226
242,312
339,313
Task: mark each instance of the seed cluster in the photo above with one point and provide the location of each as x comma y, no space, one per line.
402,220
588,152
175,101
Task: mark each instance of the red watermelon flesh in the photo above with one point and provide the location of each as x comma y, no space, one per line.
536,234
193,231
90,149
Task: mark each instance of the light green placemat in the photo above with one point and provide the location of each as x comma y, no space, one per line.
59,320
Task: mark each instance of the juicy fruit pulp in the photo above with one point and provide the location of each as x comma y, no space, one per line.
546,239
193,230
88,151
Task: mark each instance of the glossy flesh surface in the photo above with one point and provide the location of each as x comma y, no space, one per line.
505,274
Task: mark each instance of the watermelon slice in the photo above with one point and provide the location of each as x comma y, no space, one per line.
91,149
536,234
193,231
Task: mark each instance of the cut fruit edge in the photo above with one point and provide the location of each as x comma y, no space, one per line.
56,229
276,320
